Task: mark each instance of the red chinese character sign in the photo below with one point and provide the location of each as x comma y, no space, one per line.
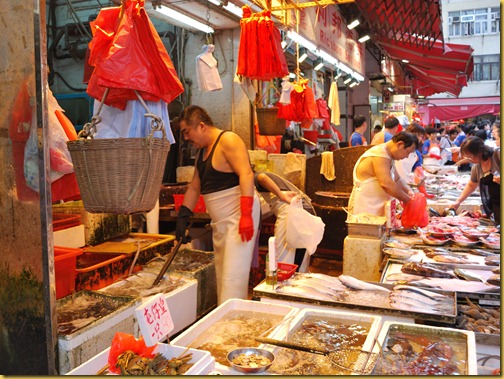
326,28
154,319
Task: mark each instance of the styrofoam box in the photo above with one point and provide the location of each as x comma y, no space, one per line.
70,237
375,323
472,364
182,301
202,361
185,338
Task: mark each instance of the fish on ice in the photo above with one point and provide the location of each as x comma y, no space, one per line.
358,284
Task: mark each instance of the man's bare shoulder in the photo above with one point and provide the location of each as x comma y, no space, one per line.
231,140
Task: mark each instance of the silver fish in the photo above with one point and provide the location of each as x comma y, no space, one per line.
316,285
304,291
430,294
468,275
446,258
358,284
480,252
457,285
332,283
413,297
412,307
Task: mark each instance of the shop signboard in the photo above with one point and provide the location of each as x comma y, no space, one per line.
326,28
394,107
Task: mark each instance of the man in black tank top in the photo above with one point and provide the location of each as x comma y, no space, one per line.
223,175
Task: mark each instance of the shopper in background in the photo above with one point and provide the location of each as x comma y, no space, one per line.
496,133
391,125
360,126
485,173
410,168
224,177
377,129
445,145
430,149
375,177
278,193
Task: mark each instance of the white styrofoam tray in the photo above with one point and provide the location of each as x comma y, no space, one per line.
375,323
472,364
185,338
202,361
182,301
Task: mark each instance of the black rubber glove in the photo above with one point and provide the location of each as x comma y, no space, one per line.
184,214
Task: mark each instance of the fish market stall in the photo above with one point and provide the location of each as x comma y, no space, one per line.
402,303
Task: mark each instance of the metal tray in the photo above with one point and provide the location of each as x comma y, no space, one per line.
261,291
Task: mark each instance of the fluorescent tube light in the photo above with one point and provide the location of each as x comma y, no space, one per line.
347,80
301,40
353,24
405,61
353,84
303,54
364,38
177,16
318,64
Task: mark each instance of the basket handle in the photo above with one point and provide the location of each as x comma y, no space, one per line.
89,129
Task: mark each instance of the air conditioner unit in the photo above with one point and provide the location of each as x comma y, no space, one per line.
455,19
468,18
494,16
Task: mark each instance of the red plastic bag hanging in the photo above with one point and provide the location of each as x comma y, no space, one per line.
415,212
127,55
123,342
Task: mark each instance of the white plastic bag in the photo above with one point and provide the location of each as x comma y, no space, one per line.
304,230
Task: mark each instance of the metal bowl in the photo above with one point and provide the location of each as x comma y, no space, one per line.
474,234
398,253
467,243
434,241
249,351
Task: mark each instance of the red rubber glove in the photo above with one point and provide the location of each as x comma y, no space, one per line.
434,156
246,228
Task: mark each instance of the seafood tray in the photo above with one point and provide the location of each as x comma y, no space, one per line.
486,294
202,361
86,335
322,329
234,324
366,230
411,349
180,294
265,291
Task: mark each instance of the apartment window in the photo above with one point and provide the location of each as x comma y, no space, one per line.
474,22
486,67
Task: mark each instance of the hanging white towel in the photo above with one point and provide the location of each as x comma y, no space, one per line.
286,90
327,165
333,103
207,73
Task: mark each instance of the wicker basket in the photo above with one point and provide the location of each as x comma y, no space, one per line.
119,175
269,123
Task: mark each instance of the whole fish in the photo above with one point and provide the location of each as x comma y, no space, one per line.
447,258
430,252
400,276
358,284
430,294
410,306
481,252
413,297
496,270
332,283
492,261
425,269
316,285
457,285
468,275
303,291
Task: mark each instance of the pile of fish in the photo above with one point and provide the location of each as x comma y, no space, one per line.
348,289
441,277
478,319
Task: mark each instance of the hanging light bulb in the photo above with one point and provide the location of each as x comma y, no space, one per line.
353,24
347,79
318,64
303,54
364,38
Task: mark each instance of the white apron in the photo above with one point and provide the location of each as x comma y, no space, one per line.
367,195
232,257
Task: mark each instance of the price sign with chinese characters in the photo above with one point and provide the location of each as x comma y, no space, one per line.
154,319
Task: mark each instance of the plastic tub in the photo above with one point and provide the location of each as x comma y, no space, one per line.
285,270
179,199
63,221
65,259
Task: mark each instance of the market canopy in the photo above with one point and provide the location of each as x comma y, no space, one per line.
455,109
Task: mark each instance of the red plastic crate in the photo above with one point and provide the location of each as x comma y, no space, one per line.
63,221
179,199
65,259
285,270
